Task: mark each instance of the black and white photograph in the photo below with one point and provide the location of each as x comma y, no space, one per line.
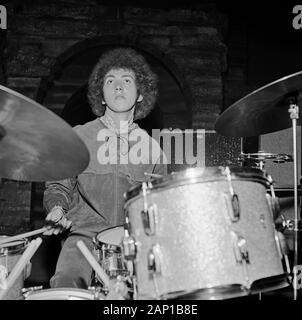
150,154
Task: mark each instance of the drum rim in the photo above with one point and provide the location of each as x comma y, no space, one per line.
203,174
116,229
13,247
67,291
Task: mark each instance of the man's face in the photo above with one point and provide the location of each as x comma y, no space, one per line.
120,90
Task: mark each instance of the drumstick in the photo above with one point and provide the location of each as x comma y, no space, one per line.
93,262
23,235
20,265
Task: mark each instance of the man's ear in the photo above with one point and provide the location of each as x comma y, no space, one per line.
140,98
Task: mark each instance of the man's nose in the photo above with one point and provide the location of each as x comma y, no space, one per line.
118,86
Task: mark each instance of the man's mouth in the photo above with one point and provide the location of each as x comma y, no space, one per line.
119,96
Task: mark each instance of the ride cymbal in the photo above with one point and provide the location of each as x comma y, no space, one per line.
265,110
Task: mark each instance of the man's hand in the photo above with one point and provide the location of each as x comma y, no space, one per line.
56,222
118,290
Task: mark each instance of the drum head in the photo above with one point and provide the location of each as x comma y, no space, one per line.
111,236
199,175
61,294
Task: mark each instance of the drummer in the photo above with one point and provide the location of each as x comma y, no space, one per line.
121,89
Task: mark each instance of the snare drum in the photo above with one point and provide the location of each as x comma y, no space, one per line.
63,294
10,253
203,233
107,245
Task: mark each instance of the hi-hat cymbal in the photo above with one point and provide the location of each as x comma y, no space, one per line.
265,110
35,144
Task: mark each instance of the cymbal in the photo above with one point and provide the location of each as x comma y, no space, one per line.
265,110
36,144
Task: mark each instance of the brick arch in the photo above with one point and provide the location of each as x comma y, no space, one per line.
91,43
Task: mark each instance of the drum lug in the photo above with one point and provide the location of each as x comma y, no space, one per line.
129,246
149,218
240,250
148,214
232,200
272,200
233,207
154,260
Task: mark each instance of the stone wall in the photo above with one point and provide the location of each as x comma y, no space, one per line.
42,37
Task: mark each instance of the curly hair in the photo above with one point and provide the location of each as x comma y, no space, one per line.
129,59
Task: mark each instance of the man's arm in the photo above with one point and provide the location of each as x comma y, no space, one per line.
56,201
58,193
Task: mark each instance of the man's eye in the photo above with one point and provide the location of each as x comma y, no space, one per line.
127,80
109,81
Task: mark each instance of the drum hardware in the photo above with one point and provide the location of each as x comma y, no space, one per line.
232,205
294,115
97,291
129,246
241,255
27,291
149,213
108,247
272,200
154,260
271,108
153,175
274,205
154,267
288,224
283,250
129,250
94,264
261,157
234,213
110,252
149,219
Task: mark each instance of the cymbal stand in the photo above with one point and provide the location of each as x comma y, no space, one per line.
294,115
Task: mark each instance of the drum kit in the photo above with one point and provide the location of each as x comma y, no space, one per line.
202,233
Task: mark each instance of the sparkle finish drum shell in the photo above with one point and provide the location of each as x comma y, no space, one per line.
197,244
